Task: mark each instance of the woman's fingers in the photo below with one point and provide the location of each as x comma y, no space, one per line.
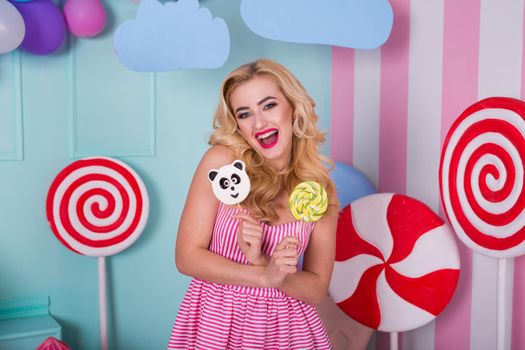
285,257
245,217
286,253
251,240
288,240
255,231
291,245
251,228
287,261
288,269
251,235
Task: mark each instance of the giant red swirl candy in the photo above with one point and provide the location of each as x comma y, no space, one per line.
481,177
397,263
97,206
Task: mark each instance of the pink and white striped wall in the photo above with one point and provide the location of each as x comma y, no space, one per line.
391,110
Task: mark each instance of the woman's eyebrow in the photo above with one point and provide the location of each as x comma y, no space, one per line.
240,109
264,100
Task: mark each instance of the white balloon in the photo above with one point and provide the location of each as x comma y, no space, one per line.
12,27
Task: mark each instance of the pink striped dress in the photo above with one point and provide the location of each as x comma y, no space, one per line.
218,316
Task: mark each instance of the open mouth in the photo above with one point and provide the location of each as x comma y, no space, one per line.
267,138
235,195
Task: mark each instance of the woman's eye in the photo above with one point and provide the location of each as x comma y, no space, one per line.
270,106
243,115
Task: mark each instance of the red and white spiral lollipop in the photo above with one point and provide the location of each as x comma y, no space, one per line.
397,263
97,206
482,176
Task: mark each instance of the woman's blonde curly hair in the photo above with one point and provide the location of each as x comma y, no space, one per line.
306,162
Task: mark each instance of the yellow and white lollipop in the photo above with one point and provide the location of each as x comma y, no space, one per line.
308,201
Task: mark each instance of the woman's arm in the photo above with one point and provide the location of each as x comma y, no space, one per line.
195,231
311,284
196,226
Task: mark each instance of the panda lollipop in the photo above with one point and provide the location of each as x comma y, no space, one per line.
230,183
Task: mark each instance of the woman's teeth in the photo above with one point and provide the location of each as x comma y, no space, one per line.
265,135
268,139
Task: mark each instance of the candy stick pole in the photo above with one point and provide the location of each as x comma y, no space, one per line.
102,303
502,274
394,341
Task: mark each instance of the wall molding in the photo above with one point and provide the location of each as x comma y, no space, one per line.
75,148
16,112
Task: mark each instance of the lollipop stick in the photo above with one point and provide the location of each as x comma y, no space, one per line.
293,245
394,342
502,273
102,302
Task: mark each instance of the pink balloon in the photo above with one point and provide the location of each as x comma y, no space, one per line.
85,18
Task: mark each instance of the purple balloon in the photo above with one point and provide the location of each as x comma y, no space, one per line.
45,26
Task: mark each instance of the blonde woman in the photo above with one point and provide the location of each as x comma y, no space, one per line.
247,292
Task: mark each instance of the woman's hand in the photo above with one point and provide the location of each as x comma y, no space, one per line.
282,262
249,238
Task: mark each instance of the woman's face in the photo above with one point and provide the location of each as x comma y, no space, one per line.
264,118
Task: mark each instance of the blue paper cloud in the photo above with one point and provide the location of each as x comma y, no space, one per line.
360,24
176,35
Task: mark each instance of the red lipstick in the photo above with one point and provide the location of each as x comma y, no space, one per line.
272,135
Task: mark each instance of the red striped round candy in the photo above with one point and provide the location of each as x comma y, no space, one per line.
397,263
481,177
97,206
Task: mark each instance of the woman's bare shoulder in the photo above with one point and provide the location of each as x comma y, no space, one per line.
217,156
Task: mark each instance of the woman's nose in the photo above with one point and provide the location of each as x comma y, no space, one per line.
260,121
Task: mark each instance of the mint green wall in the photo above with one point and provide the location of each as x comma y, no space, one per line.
82,101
